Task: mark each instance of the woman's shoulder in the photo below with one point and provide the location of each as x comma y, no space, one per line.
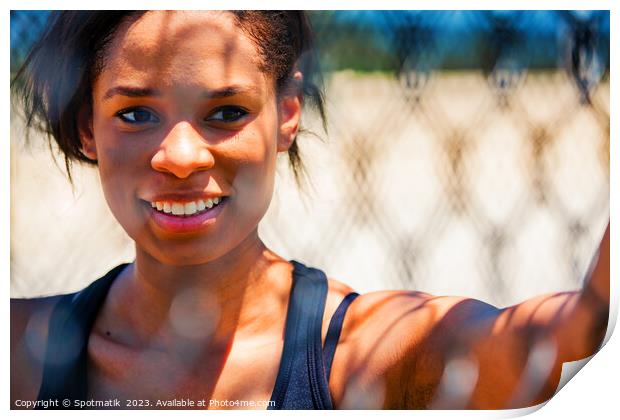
336,291
398,313
30,316
29,319
370,310
386,336
379,308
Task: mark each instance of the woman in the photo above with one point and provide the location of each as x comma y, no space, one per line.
184,114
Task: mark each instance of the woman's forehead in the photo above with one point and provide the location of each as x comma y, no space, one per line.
183,47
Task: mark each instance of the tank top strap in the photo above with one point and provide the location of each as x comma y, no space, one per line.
333,331
301,381
66,353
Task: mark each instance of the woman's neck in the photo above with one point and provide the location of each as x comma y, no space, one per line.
243,291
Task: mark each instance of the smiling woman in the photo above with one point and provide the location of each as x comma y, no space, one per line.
184,115
157,122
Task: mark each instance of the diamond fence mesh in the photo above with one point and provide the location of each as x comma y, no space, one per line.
466,153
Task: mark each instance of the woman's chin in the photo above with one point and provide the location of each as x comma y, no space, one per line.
179,259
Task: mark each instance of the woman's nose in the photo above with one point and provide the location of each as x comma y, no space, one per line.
182,152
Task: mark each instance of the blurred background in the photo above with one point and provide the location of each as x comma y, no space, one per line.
467,153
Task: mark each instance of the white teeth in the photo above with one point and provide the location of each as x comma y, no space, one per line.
178,209
190,208
187,209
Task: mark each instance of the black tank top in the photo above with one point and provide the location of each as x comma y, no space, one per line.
303,375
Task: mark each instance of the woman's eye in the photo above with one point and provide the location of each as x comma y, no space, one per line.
137,116
227,114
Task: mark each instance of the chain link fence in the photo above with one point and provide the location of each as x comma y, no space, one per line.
467,153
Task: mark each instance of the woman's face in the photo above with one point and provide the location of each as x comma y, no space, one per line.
182,116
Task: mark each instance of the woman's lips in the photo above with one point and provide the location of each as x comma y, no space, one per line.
184,224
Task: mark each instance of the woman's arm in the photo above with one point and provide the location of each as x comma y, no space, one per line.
476,356
414,350
576,321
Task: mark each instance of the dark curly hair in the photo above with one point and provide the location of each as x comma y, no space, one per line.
55,80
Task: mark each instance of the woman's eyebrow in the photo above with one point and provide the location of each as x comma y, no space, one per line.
137,92
230,91
134,92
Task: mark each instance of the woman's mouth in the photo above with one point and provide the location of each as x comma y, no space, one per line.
186,209
182,217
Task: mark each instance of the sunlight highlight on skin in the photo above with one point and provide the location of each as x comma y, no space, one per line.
34,336
537,370
457,384
193,315
363,396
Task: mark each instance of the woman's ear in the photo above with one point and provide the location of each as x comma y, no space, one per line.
289,110
85,130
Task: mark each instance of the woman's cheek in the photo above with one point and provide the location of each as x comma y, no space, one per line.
118,167
254,178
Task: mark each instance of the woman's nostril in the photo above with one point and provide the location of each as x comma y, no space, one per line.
182,162
182,152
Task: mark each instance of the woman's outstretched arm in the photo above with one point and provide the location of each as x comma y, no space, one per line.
414,350
513,357
575,321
